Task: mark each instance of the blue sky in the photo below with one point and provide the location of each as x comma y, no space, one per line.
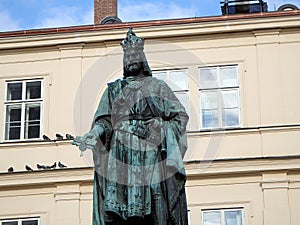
33,14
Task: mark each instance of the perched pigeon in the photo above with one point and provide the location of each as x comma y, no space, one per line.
53,166
60,165
28,168
40,166
46,138
69,136
10,169
59,137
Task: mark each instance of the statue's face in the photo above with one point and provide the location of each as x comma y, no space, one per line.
133,61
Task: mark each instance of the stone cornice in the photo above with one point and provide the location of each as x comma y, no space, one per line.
250,166
46,177
149,29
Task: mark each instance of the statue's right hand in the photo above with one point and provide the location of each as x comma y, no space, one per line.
87,141
90,139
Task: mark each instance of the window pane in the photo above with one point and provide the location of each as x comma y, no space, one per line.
233,217
183,98
14,133
208,78
160,76
230,99
33,90
13,113
178,80
13,122
32,112
10,223
210,118
14,91
30,222
32,121
32,131
230,117
212,218
228,76
209,100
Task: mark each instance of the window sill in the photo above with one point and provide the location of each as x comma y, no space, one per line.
16,143
244,129
210,130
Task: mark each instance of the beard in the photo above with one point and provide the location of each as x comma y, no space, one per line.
134,69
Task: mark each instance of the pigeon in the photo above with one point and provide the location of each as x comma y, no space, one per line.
40,166
60,165
10,169
28,168
69,136
59,137
53,166
46,138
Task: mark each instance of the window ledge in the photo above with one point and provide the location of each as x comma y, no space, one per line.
34,143
245,129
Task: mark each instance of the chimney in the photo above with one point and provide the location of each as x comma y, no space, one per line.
103,9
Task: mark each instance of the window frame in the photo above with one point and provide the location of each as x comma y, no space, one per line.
20,220
222,211
219,90
186,91
23,102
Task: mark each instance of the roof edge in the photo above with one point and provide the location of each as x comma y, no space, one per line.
97,27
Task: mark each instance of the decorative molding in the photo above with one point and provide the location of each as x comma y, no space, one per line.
275,184
47,177
238,166
67,195
294,184
40,143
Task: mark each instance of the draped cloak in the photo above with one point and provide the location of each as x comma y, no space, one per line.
133,155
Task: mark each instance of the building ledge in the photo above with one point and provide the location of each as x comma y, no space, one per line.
238,166
46,177
98,27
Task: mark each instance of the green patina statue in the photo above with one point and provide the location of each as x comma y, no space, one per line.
138,139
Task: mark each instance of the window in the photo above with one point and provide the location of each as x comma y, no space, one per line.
177,81
219,97
222,217
23,104
25,221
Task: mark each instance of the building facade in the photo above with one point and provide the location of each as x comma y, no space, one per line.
236,75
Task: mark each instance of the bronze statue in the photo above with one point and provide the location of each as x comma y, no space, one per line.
138,139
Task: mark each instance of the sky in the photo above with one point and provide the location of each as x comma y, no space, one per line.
35,14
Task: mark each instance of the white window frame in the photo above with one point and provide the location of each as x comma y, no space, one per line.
219,90
168,81
222,211
177,91
23,102
20,220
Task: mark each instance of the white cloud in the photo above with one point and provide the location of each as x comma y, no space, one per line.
64,16
7,23
88,17
153,11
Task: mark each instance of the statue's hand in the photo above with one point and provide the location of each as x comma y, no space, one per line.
89,140
156,128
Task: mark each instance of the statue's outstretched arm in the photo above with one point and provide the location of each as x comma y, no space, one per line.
90,139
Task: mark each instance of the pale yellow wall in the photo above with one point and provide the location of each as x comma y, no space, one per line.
246,167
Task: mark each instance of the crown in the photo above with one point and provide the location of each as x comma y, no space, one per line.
132,41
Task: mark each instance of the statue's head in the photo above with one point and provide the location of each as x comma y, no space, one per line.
134,60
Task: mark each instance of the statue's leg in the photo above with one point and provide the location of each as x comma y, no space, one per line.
159,205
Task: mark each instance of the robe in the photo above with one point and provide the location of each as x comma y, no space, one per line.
141,151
